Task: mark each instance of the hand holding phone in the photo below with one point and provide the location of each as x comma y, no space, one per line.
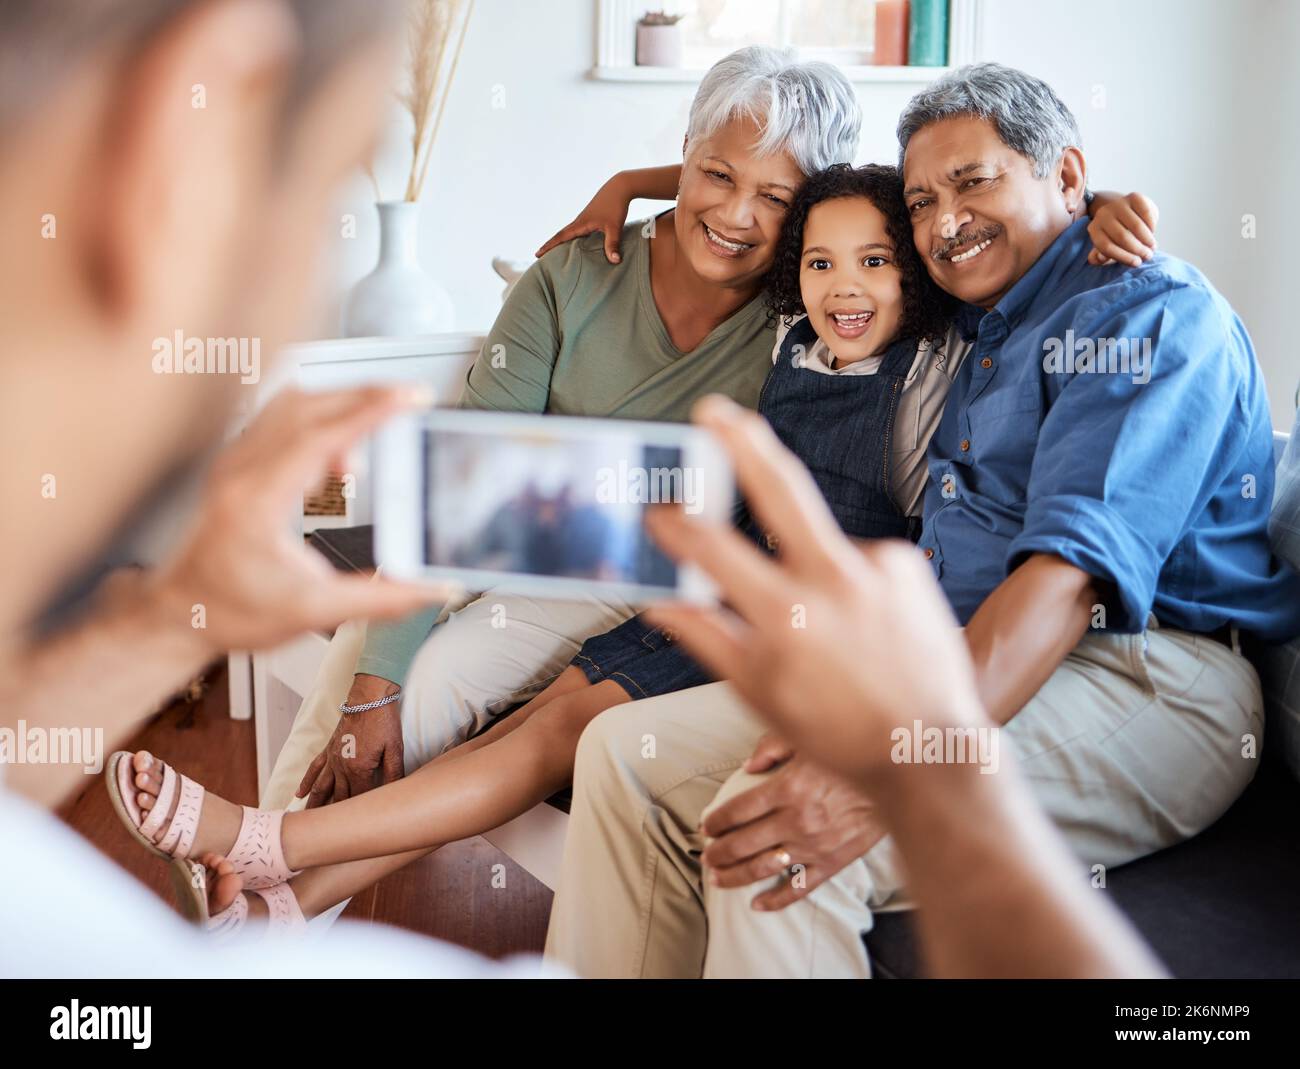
550,505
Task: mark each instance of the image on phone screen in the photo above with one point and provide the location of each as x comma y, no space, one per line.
533,505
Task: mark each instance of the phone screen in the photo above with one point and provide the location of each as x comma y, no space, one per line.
541,504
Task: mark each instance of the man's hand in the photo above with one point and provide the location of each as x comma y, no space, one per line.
245,573
819,820
365,750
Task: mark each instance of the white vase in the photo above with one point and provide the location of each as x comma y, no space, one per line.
397,298
658,46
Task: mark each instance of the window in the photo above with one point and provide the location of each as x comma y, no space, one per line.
841,31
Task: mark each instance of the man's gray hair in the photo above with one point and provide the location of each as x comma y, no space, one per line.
808,109
1028,116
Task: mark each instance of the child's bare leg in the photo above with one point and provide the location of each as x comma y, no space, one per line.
220,820
570,680
446,800
324,886
450,800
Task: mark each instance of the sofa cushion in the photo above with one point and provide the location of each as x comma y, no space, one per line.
1220,905
1279,666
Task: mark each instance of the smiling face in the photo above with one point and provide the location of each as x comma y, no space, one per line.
980,218
731,205
849,278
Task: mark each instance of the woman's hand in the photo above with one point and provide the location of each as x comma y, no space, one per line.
365,750
607,212
836,645
1123,229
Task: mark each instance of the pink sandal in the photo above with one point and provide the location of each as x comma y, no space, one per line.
256,856
284,917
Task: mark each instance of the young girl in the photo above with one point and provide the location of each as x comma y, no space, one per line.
856,387
865,329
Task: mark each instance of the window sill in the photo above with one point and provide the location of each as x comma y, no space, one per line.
687,76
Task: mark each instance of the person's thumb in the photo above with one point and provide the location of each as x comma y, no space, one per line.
1146,210
612,236
771,751
313,770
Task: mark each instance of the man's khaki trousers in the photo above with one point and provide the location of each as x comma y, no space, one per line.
1135,743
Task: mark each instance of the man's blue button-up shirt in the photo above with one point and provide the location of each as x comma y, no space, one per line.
1114,417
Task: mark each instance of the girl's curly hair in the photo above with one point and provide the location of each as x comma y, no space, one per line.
927,310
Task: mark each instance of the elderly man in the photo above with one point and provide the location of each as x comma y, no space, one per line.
1097,516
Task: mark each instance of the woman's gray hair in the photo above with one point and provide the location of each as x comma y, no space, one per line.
808,109
1028,116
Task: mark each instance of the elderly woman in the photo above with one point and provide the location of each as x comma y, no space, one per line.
680,317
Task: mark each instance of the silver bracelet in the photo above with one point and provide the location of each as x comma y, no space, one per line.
344,707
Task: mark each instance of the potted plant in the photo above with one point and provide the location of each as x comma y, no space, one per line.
659,40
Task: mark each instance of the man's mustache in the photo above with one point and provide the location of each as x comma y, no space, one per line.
966,237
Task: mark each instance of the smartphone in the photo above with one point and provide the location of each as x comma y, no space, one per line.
547,505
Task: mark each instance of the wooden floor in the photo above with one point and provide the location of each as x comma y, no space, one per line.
449,894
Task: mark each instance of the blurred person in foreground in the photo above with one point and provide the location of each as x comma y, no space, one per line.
130,213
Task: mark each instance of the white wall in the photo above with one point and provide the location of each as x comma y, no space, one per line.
1264,272
1200,109
1194,102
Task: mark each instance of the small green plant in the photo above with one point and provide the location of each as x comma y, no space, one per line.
659,18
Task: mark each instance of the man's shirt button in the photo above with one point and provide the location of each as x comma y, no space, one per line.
929,554
965,445
987,362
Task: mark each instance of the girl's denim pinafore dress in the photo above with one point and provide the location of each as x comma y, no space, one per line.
841,427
